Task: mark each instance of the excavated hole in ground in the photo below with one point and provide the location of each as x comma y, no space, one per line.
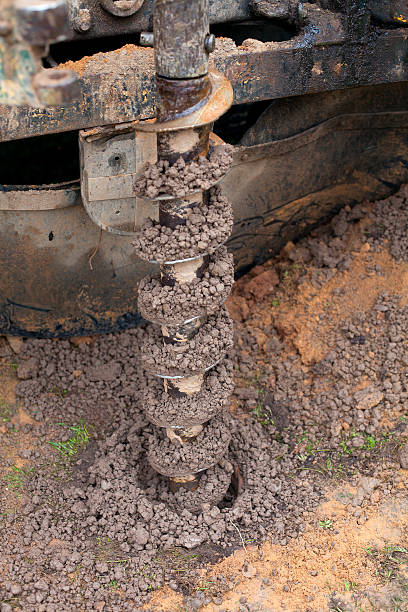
320,393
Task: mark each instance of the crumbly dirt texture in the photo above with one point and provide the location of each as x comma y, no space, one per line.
181,178
207,226
173,305
211,343
177,460
320,437
164,410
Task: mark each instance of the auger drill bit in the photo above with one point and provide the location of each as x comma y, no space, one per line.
188,379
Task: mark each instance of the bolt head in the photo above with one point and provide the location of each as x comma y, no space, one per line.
146,39
209,43
5,27
42,21
122,8
83,21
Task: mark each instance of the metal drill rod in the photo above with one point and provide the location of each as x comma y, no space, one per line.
183,86
180,55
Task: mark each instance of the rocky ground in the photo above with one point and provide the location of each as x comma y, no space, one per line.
319,422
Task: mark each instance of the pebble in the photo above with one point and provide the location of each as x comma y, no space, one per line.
15,589
403,456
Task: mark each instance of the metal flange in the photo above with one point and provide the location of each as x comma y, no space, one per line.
219,100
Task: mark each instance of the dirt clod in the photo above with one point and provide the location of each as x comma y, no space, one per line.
403,456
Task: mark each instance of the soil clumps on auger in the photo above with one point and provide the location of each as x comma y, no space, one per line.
191,330
104,516
207,226
182,178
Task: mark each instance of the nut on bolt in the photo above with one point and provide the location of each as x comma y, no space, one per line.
122,8
42,21
57,87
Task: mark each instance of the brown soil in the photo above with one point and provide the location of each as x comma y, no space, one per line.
319,430
115,60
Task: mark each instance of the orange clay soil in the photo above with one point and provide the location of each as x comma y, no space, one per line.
342,561
99,61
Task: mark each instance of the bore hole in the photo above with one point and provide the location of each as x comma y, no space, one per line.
51,236
234,490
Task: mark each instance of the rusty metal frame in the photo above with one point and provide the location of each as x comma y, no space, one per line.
101,23
320,58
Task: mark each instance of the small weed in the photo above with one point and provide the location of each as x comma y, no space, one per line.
370,443
5,412
345,448
350,586
276,302
61,393
205,585
12,365
150,577
75,443
263,415
388,561
104,541
326,523
16,478
261,412
390,551
388,574
113,584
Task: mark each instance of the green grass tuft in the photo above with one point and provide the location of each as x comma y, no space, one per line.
80,438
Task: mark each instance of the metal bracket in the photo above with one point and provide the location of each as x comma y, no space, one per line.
111,159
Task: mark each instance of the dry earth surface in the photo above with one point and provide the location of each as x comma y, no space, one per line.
320,421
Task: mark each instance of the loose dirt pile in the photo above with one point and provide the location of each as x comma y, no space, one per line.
321,396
